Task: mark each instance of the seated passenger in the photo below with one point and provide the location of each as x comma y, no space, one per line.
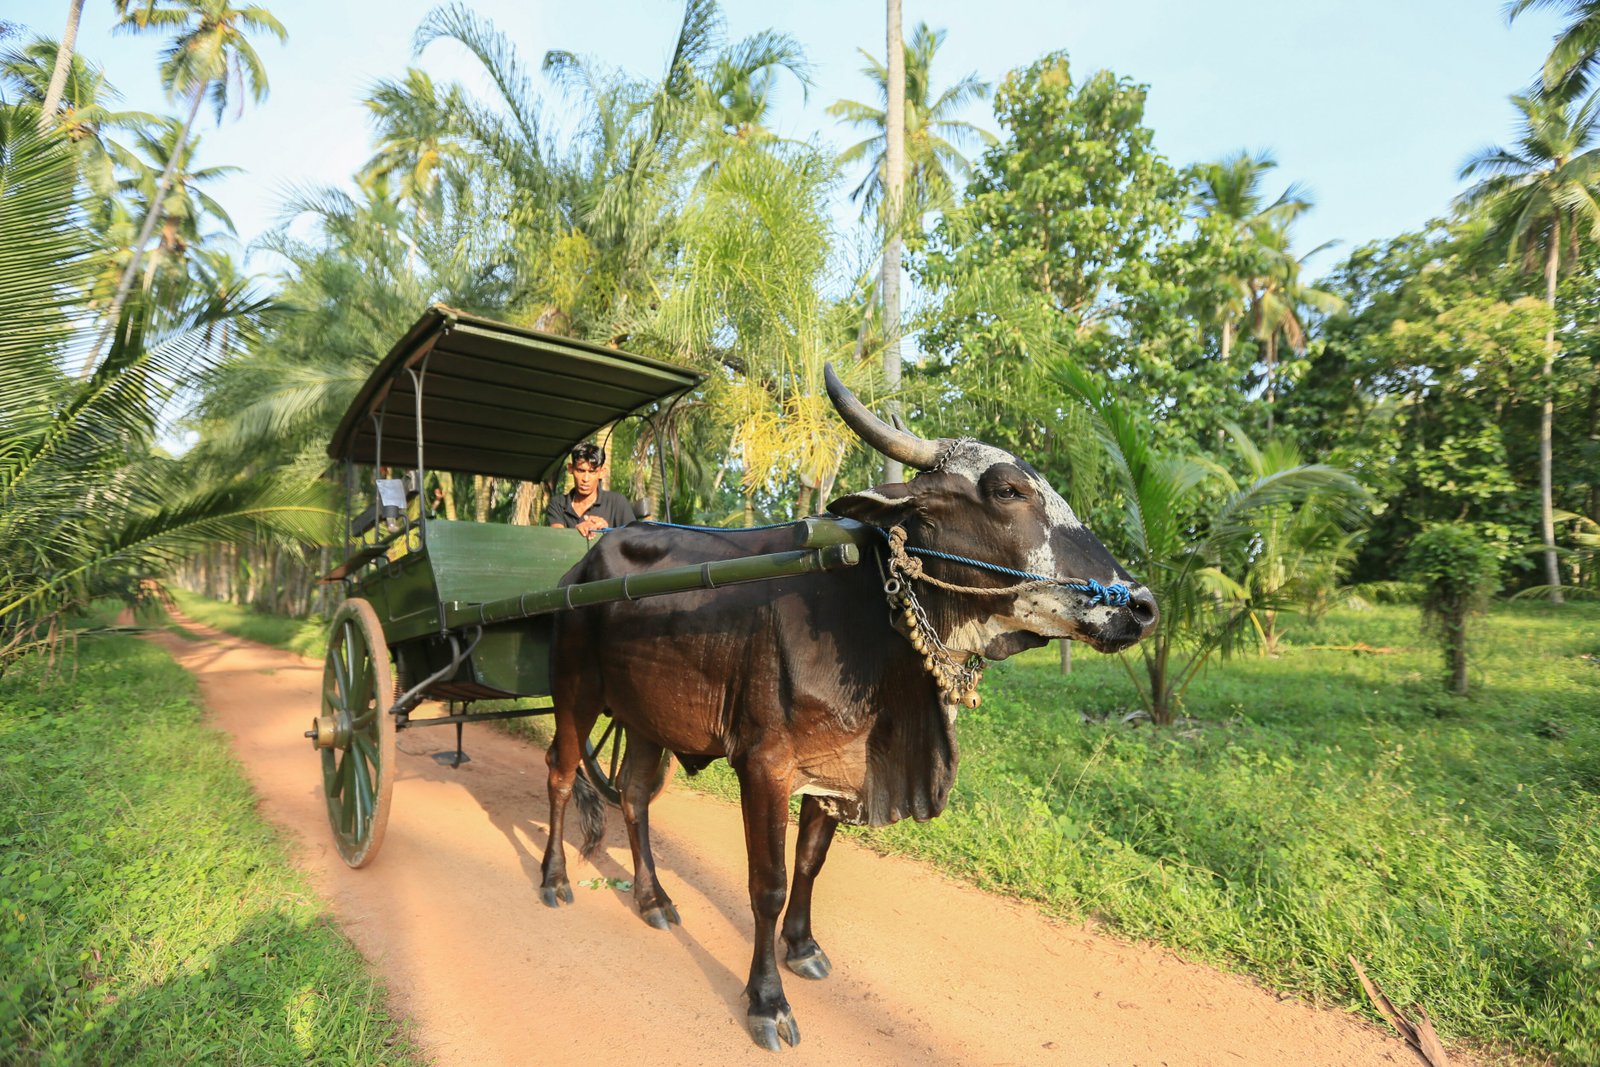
588,508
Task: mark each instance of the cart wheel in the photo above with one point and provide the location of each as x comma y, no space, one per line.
355,732
603,750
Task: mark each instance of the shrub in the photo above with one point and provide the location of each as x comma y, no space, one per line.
1458,571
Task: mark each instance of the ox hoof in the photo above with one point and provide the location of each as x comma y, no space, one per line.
555,896
767,1032
663,917
813,964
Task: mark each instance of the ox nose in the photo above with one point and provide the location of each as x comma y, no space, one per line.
1142,606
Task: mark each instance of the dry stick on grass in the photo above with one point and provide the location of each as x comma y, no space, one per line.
1420,1035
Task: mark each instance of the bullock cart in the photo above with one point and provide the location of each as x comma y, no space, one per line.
459,612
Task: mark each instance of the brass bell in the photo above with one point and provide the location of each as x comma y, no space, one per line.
971,699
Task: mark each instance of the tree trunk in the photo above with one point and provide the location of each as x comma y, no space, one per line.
1160,698
522,508
1547,522
1272,360
1456,638
894,189
447,482
481,489
1066,655
1227,338
802,504
151,218
58,76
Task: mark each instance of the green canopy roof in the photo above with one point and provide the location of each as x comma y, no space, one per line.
496,399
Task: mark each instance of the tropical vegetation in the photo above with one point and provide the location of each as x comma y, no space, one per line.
1266,448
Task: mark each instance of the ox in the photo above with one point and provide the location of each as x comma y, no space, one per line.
805,686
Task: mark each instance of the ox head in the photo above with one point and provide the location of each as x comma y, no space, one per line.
983,503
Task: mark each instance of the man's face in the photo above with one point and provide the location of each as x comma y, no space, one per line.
585,477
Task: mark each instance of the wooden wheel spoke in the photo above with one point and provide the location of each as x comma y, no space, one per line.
340,697
363,787
616,754
347,796
348,647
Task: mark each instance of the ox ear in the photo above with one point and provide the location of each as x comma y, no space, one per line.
882,505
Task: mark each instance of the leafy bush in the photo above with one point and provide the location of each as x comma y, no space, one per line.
1458,571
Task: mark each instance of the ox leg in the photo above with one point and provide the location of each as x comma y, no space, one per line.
804,956
764,796
643,765
563,758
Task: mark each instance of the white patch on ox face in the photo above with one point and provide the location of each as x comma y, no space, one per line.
972,459
1049,612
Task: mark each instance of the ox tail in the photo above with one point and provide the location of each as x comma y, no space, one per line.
591,814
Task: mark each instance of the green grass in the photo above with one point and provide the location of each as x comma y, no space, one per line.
147,914
1318,804
309,637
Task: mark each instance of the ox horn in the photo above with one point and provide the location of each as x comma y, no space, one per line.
895,443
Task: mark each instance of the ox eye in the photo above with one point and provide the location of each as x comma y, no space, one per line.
1006,491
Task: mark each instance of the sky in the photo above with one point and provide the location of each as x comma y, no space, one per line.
1373,105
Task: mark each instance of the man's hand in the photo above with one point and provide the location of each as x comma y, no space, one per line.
590,525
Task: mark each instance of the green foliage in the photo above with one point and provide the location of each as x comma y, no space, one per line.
1457,572
1213,550
1320,803
1073,237
87,503
149,915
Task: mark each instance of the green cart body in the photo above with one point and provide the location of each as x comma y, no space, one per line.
458,611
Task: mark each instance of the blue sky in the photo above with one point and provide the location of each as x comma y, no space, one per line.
1372,104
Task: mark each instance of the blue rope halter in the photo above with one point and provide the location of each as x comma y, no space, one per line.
1116,594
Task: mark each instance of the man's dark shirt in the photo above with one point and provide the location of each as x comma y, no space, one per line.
612,507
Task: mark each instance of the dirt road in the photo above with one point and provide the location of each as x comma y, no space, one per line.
926,971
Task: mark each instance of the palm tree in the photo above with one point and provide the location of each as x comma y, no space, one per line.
61,66
1231,192
82,108
935,138
1278,302
740,85
1575,54
208,54
415,136
87,505
186,206
1540,198
1204,610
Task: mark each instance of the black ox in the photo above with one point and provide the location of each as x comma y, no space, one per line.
805,685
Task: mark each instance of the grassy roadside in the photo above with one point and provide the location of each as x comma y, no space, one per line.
1318,804
309,637
147,914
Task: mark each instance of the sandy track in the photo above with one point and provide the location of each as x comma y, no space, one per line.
926,970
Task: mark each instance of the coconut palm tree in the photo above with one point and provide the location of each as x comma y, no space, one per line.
1575,54
416,141
935,137
210,54
1231,191
87,505
186,207
1542,199
1279,301
82,109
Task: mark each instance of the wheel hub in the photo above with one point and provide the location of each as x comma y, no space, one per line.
330,731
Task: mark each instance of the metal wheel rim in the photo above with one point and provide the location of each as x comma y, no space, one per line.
602,760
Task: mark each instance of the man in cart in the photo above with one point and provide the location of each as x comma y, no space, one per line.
586,507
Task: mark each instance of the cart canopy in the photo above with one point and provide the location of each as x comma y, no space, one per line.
498,400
